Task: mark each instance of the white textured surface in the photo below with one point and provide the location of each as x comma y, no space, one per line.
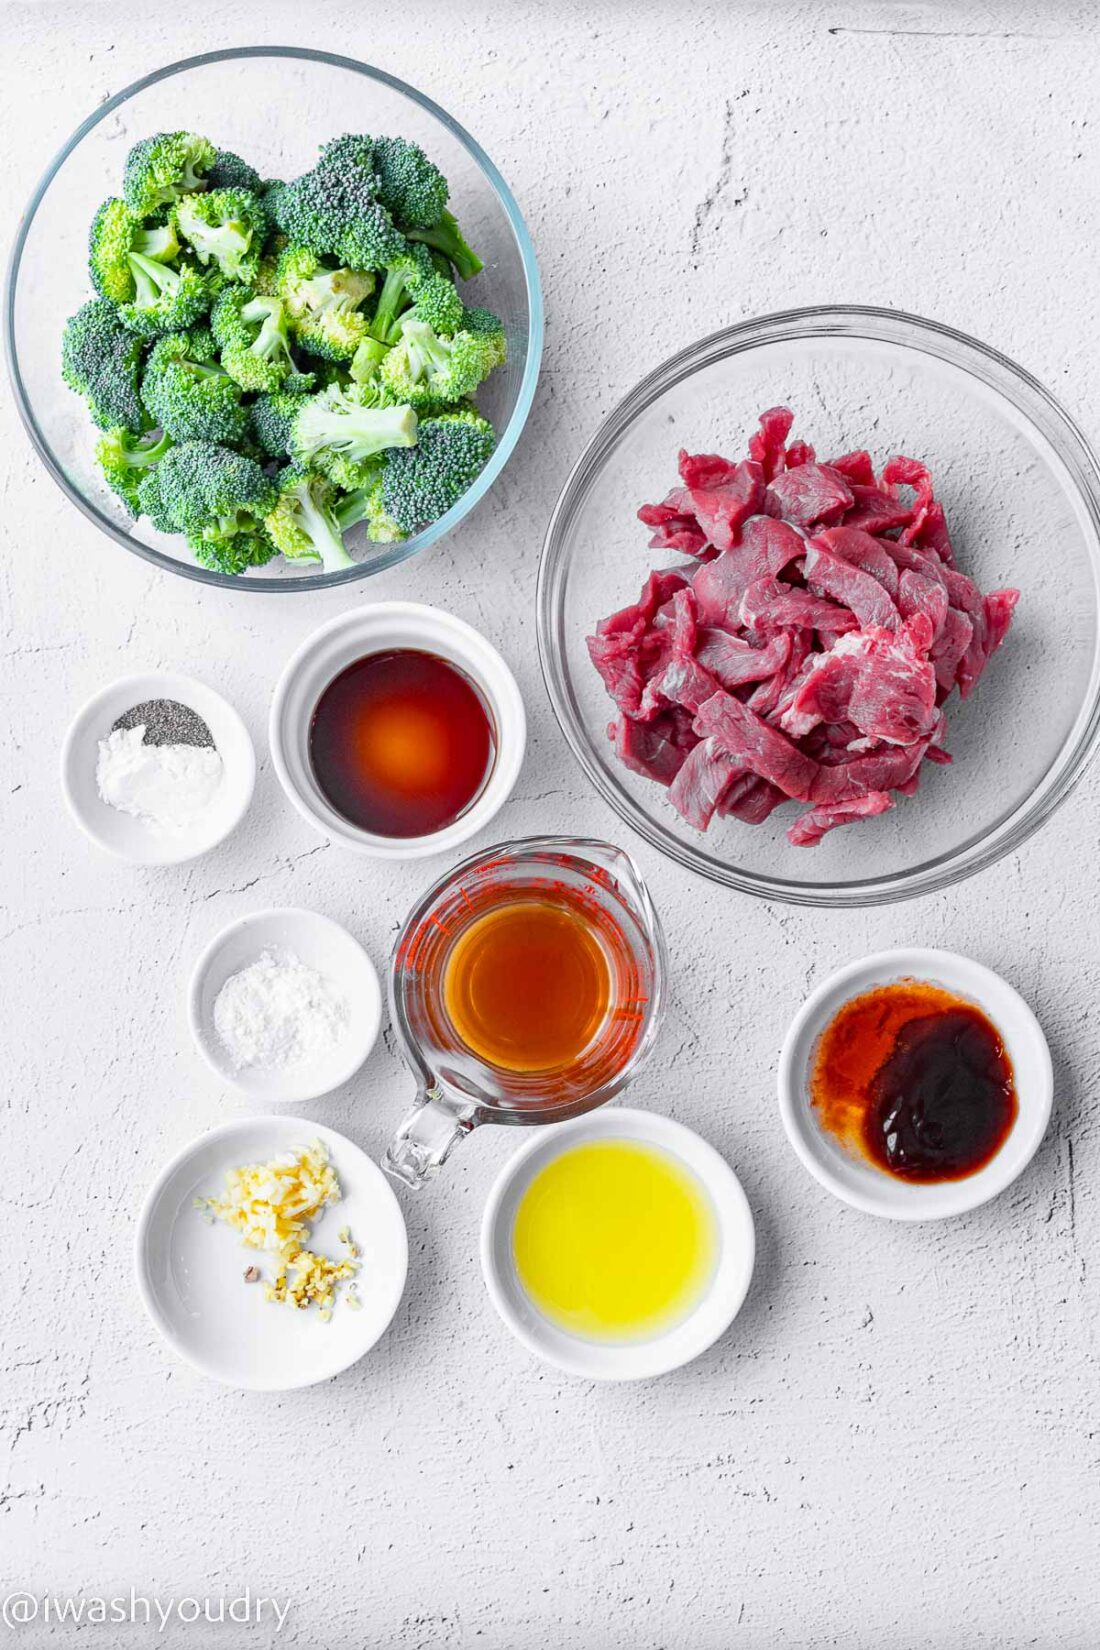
897,1444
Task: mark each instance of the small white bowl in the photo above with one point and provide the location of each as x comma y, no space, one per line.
862,1184
190,1274
611,1361
376,628
123,835
321,944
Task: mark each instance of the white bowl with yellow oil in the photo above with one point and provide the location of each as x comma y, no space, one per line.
618,1246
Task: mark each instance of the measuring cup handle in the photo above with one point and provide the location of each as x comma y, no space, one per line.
426,1139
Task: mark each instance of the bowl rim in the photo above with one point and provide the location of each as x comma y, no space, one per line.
280,1088
388,556
884,1196
876,324
380,625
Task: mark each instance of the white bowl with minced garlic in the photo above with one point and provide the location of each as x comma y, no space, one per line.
213,1248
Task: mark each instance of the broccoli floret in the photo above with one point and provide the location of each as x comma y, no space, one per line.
188,395
367,360
302,524
406,274
229,171
228,227
447,237
426,366
451,451
334,209
217,498
271,416
164,168
252,335
365,503
126,459
323,303
140,270
101,360
338,430
438,303
410,186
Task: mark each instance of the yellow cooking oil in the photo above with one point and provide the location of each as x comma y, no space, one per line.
615,1240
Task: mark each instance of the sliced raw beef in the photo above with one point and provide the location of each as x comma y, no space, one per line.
809,828
811,494
808,649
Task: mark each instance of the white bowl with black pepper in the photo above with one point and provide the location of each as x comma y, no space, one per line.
169,792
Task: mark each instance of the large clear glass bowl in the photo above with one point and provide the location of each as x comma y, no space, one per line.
1021,489
274,105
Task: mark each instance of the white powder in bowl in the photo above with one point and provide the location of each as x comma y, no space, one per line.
168,786
278,1012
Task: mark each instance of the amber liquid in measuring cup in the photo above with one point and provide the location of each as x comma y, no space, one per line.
528,985
525,987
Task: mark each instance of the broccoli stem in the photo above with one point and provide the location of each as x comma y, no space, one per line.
153,280
324,532
448,238
384,327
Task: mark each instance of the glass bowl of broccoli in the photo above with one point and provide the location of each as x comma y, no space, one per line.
266,349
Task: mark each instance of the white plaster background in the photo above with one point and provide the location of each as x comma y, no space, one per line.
899,1442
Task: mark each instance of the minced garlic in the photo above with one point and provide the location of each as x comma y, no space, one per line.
272,1206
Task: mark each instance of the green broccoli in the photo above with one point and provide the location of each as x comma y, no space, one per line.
335,212
451,451
322,303
410,186
218,499
228,227
364,503
366,361
405,275
447,237
229,171
101,360
338,430
427,366
126,458
188,395
251,333
438,303
271,417
140,270
302,525
162,169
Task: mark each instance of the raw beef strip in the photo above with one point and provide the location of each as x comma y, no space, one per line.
894,697
799,452
656,749
813,493
825,688
910,560
809,828
734,661
675,528
827,575
766,548
658,589
881,770
768,605
916,594
723,496
769,698
875,511
701,783
999,607
947,653
618,660
768,444
856,467
853,545
681,681
740,733
751,800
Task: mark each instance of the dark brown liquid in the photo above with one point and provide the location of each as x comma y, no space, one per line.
916,1079
401,743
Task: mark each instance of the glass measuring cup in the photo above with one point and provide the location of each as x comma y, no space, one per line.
458,1089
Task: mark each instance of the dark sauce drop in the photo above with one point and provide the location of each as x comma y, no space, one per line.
917,1080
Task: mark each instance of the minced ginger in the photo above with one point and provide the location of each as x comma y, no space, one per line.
272,1207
